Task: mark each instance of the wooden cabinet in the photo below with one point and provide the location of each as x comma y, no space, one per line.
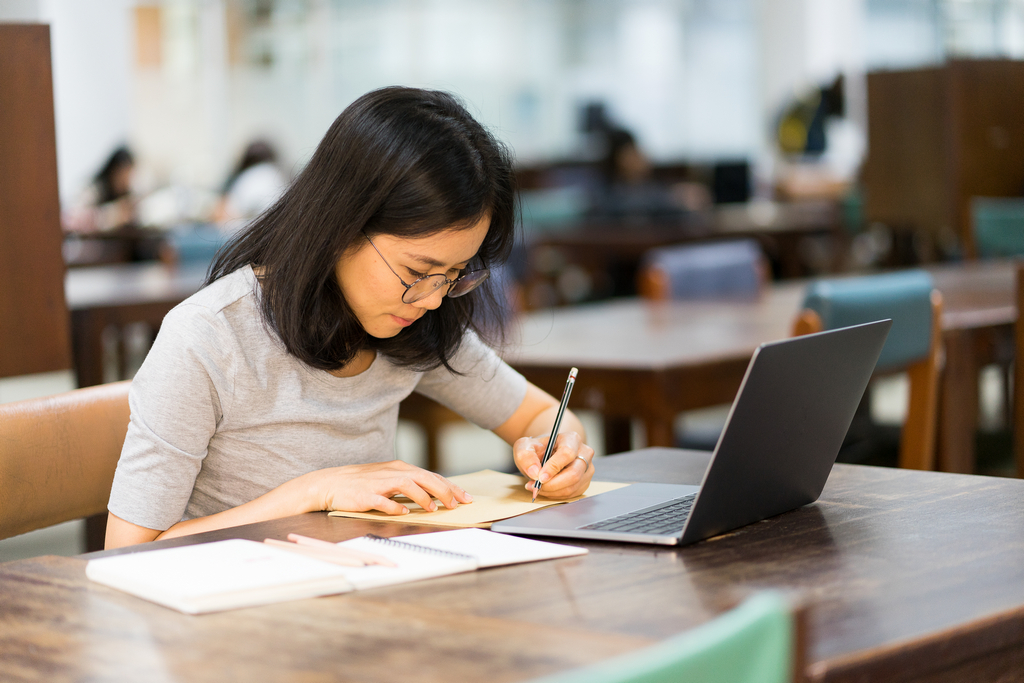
937,137
33,315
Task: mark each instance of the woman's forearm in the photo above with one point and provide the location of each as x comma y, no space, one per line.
294,497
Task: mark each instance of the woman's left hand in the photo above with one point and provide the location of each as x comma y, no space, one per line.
568,471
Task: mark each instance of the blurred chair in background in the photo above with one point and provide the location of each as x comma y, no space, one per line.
550,209
998,226
58,458
192,245
721,270
761,641
913,345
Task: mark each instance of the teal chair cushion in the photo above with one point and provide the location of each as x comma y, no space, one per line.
998,225
708,271
196,244
750,644
904,296
549,209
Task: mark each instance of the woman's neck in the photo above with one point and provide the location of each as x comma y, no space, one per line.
358,365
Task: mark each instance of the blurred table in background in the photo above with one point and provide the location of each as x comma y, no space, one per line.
115,296
979,312
650,361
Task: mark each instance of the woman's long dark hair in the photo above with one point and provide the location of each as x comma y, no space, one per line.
397,161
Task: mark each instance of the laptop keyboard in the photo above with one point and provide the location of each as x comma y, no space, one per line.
667,518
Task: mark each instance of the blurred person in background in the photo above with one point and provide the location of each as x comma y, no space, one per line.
252,187
102,225
108,203
630,190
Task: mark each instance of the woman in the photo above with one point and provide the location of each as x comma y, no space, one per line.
275,389
108,203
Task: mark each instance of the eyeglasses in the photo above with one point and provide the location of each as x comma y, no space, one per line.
428,284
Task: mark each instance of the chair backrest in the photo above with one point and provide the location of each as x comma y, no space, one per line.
914,343
998,226
548,209
194,244
58,455
719,270
756,642
903,296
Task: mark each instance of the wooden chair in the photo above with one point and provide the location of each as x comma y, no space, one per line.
761,641
717,270
58,456
914,344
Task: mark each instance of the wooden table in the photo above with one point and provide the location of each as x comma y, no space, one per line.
910,576
115,296
977,322
653,360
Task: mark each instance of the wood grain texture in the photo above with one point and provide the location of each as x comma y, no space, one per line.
910,576
94,633
906,168
33,317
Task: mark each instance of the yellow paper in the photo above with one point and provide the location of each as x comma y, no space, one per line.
496,495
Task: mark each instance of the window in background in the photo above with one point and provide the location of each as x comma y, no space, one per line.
680,73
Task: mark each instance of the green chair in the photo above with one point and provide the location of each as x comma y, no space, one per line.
756,642
998,226
914,343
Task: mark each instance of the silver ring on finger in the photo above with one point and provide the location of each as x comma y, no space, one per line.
586,463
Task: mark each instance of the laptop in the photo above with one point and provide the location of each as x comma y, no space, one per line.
781,438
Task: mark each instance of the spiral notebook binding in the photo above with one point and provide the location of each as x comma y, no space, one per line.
419,548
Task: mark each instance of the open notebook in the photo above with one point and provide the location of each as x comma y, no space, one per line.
496,495
225,575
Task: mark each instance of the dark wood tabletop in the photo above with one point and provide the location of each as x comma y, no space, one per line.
909,576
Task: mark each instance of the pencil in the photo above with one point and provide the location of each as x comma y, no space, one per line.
554,430
367,558
323,554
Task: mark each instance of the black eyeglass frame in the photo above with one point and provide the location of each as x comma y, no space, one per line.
480,274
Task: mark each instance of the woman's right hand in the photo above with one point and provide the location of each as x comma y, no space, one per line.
358,488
